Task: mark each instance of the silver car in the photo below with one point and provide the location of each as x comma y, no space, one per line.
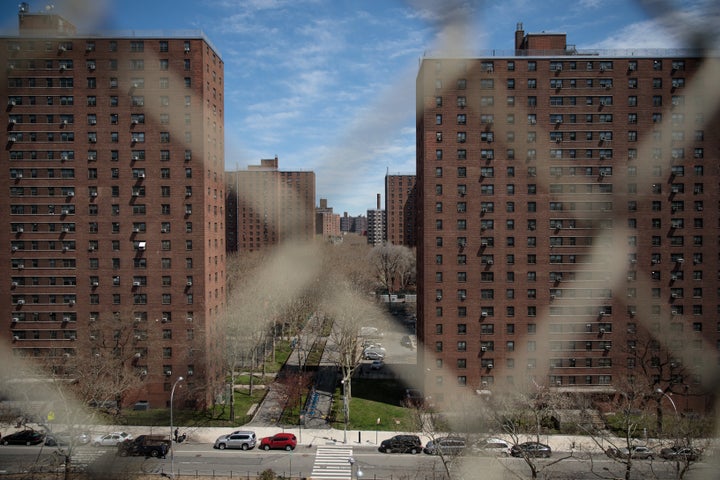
240,439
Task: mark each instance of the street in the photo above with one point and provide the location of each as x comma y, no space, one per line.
202,459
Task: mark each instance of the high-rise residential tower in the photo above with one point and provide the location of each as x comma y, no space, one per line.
267,206
114,190
567,210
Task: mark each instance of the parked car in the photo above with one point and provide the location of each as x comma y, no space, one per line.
64,439
148,445
111,439
639,452
286,441
494,446
244,440
445,446
531,449
373,354
23,437
377,365
401,444
683,454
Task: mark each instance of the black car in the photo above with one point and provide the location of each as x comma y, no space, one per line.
531,449
23,437
401,444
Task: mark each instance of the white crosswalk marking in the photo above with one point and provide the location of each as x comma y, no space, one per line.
332,463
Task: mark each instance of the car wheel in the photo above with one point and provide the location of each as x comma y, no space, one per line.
266,447
154,453
388,450
245,446
288,447
221,446
28,443
413,451
5,442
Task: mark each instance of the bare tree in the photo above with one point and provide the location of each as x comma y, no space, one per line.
349,311
262,292
394,266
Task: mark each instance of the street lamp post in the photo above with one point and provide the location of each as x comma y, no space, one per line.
172,449
662,392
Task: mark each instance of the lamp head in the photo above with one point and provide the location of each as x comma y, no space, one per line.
659,390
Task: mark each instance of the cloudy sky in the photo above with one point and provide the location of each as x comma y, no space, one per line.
328,85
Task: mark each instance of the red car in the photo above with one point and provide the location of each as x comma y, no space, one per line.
285,441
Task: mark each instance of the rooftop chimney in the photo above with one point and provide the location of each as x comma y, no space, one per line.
378,201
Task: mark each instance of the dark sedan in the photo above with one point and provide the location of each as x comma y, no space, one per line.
531,449
23,437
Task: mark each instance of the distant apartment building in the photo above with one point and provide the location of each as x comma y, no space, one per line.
567,210
400,209
376,228
114,192
353,224
267,206
327,223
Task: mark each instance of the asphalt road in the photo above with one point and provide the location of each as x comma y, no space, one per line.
202,459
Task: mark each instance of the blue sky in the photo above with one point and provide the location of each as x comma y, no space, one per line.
328,85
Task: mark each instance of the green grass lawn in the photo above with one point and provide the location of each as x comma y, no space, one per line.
373,399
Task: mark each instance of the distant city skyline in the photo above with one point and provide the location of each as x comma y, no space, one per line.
329,86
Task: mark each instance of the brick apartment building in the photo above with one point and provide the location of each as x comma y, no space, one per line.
114,192
400,209
567,210
272,206
327,223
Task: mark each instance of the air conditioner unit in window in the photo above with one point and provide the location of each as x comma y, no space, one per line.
141,175
674,295
16,337
15,319
135,121
138,355
93,194
490,366
483,349
143,373
136,284
168,372
138,319
484,314
680,260
607,347
674,312
165,319
93,319
14,284
136,229
163,230
71,302
189,283
21,302
95,283
484,244
66,319
489,262
135,158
